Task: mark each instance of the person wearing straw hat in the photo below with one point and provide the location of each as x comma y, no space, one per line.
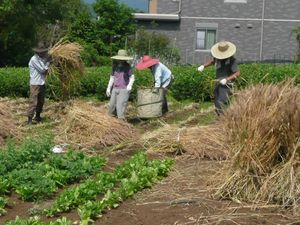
162,77
38,67
226,72
120,84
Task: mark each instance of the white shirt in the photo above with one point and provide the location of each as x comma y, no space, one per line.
38,68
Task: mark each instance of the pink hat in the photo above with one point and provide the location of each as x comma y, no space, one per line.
146,62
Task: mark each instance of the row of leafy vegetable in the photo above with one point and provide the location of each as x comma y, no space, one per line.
106,190
35,173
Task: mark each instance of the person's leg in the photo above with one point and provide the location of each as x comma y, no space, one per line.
112,103
40,103
222,94
33,98
122,101
216,100
165,107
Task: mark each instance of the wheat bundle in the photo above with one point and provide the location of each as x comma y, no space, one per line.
202,142
86,126
8,128
263,137
67,65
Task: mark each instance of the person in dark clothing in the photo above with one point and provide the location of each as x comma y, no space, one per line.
226,72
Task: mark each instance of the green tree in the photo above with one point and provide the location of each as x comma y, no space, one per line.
115,23
23,21
155,44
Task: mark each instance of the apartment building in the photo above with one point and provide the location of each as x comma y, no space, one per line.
261,29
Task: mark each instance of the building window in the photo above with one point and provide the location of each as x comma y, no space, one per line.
205,38
235,1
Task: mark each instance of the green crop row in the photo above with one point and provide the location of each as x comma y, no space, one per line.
114,187
189,83
36,221
35,173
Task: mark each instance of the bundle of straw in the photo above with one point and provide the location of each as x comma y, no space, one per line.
263,135
199,141
86,126
8,128
67,66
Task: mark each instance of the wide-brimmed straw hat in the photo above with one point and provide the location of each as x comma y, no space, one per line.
40,48
223,50
146,62
122,55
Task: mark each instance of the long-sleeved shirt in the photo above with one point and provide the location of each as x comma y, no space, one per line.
37,68
162,75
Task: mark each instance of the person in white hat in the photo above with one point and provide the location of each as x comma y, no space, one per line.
38,67
226,72
120,84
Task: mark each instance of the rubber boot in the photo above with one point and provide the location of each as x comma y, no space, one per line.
38,117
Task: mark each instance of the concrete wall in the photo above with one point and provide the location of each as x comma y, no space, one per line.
240,23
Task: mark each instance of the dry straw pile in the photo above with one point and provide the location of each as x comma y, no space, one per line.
67,66
8,128
263,136
84,125
200,141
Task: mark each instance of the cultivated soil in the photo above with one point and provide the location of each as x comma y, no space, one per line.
184,197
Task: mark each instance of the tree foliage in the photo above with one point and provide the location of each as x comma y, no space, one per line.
23,22
104,34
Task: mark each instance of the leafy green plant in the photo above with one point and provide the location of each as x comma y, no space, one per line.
140,176
3,202
189,84
36,221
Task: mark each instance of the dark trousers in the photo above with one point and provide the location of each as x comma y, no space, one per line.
165,107
221,97
36,100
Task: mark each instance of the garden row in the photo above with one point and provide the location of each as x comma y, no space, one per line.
35,173
189,84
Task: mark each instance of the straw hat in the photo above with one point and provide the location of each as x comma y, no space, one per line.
146,62
40,48
122,55
223,50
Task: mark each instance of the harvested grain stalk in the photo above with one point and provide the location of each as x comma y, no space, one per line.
8,127
199,141
262,128
67,66
84,125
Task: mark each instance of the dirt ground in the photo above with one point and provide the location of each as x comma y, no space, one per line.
182,198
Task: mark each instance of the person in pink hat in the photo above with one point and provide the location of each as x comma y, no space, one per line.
162,77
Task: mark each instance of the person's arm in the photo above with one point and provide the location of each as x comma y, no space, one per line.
131,81
209,63
157,77
235,71
109,86
39,65
234,76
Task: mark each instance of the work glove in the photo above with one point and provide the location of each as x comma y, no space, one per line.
155,90
200,68
131,81
223,81
107,92
109,86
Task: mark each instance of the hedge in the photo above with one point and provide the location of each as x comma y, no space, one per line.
188,85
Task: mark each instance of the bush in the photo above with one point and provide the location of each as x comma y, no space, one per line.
188,84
